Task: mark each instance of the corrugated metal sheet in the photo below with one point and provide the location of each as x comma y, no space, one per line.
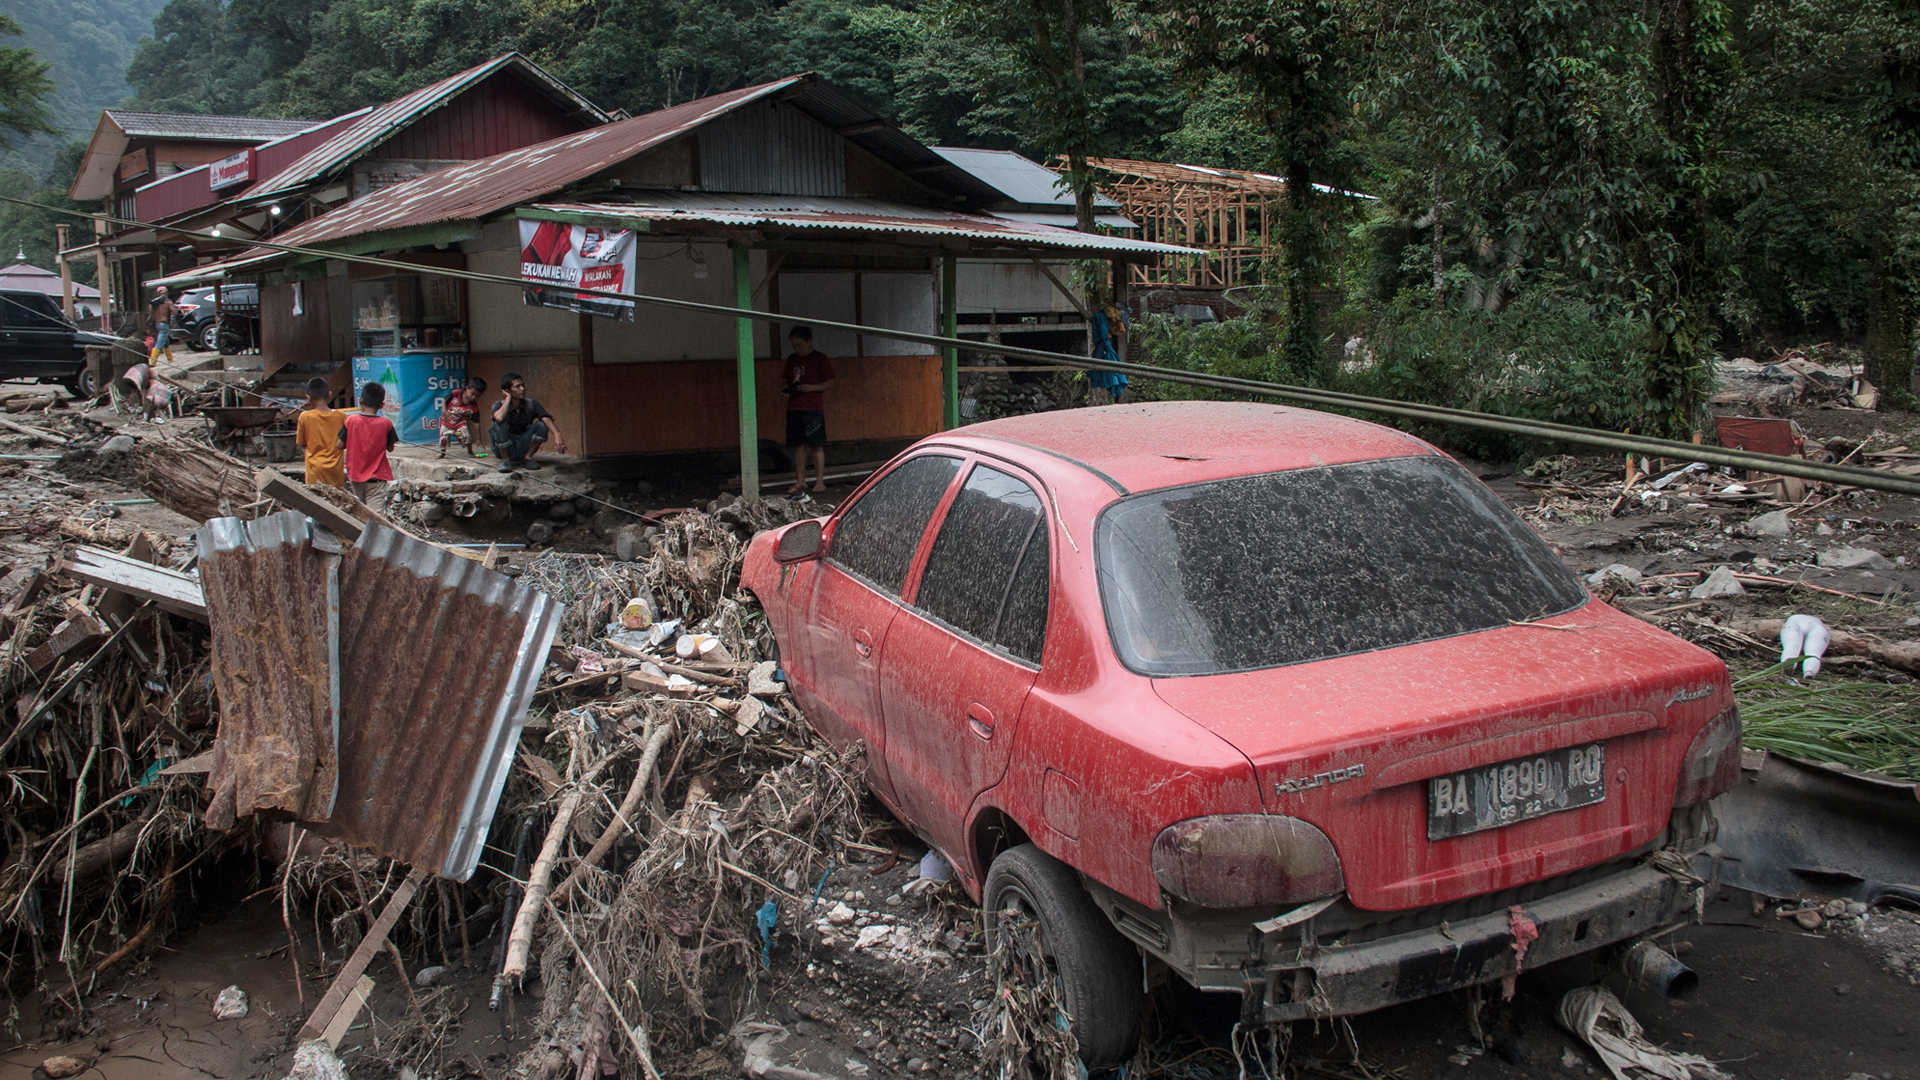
769,147
1016,176
830,215
273,602
441,657
155,125
182,192
385,120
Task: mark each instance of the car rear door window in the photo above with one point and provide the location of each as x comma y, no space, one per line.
988,574
32,312
876,538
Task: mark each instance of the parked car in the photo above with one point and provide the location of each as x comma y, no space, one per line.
37,342
1287,703
239,305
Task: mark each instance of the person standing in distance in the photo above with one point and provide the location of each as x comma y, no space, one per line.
809,374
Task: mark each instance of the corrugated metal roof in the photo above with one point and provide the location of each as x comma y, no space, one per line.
440,657
479,188
273,603
1019,178
249,129
386,120
821,214
1063,221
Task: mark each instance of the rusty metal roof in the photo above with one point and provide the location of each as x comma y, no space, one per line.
273,601
384,121
440,658
829,214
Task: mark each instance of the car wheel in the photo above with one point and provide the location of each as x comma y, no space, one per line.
1096,971
209,335
80,383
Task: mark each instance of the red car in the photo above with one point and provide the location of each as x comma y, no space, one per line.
1287,702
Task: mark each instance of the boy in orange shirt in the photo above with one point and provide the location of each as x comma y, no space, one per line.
319,434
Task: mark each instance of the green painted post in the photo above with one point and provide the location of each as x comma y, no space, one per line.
949,356
749,399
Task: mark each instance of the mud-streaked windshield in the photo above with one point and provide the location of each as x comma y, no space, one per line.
1284,567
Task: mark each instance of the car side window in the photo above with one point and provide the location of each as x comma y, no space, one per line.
989,572
25,313
876,537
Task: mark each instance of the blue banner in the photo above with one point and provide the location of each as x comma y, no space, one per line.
417,385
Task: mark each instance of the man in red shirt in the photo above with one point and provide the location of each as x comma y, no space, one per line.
809,373
365,439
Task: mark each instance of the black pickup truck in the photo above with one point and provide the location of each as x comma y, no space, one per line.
37,342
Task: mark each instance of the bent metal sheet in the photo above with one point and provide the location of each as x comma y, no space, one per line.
557,258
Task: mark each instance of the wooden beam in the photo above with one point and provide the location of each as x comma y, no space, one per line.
343,1020
295,496
1071,299
349,977
171,590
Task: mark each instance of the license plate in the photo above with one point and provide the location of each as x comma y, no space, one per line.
1490,796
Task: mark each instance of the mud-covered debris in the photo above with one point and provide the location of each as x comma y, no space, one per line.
1721,582
1594,1015
231,1004
1854,558
64,1066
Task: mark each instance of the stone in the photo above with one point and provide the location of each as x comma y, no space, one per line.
872,935
540,532
1823,529
630,544
584,506
64,1066
1719,583
841,915
915,1065
760,680
606,520
119,444
429,976
561,511
1618,571
432,513
1854,558
1775,524
231,1004
1810,919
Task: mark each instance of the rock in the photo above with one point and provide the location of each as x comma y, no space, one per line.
1854,558
872,935
316,1061
841,915
432,513
119,444
1834,909
561,511
1775,524
62,1066
1719,583
1823,529
1843,989
428,976
584,506
606,520
1617,571
1809,919
1856,909
540,532
915,1065
231,1004
630,544
1571,1060
760,680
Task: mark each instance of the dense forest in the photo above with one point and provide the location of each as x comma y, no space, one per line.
1628,189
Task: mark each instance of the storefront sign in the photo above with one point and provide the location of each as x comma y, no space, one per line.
132,165
556,257
230,171
417,385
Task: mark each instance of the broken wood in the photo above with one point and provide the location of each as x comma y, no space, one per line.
349,1012
195,480
1900,656
636,793
356,965
171,590
270,483
540,878
38,433
71,636
94,857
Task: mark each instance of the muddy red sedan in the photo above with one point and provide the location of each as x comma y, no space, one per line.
1287,703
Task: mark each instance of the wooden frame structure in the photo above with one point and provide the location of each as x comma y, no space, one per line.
1230,214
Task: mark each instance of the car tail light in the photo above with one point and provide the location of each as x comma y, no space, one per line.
1713,761
1246,860
185,309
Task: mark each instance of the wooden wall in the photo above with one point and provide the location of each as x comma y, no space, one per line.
553,379
691,404
500,114
306,338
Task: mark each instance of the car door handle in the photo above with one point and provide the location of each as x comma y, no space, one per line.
863,643
980,719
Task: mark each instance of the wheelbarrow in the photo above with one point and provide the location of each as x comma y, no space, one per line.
234,424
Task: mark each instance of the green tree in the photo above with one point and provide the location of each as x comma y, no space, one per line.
200,59
24,88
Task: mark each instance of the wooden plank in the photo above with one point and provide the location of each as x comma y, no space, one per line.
59,440
295,496
349,977
343,1020
174,591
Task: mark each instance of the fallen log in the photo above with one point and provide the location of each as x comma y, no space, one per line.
540,878
1901,656
195,480
38,433
621,818
102,853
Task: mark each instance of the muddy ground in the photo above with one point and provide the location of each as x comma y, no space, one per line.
845,998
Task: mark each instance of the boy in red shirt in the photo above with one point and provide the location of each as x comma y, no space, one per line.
364,441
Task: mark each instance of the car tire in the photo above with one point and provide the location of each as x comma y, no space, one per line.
1098,970
80,383
209,335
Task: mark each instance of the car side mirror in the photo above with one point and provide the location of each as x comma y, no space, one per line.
798,541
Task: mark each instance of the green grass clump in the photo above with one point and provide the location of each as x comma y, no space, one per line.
1872,727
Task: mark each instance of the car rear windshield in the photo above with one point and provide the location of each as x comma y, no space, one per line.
1280,568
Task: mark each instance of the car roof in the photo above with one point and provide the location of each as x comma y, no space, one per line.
1166,443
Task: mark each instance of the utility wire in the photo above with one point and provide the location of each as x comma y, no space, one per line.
1327,399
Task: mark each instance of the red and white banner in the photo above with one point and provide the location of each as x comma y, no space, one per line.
556,258
230,171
